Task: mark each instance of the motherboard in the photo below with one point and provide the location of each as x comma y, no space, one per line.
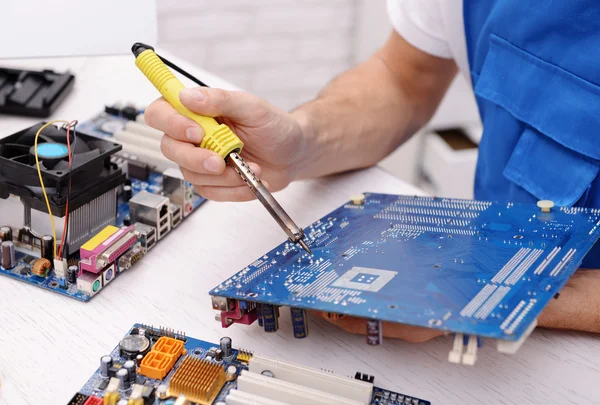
473,268
159,366
128,198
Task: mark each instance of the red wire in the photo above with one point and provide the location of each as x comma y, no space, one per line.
62,242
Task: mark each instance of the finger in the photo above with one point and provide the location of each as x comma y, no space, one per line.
240,193
409,333
191,157
235,105
229,177
162,116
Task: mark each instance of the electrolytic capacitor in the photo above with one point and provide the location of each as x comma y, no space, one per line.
8,255
225,344
129,365
219,355
6,234
106,362
72,272
124,382
374,332
139,358
270,316
48,247
127,192
299,322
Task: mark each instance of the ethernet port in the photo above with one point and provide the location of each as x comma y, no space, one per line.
164,210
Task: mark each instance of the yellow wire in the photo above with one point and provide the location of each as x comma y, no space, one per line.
39,170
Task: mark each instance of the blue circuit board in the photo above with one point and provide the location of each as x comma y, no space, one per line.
96,385
474,267
99,126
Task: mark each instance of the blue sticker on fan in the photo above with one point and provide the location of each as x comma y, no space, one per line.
52,150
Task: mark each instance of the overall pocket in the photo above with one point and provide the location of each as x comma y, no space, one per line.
557,156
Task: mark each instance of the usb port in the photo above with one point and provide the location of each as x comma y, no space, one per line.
150,234
164,221
150,244
176,221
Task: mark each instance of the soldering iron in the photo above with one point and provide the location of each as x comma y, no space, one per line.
217,137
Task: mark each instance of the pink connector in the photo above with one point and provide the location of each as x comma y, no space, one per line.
228,318
108,251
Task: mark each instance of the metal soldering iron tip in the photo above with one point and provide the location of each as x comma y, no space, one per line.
305,246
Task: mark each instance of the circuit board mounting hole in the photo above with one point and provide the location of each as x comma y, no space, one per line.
54,284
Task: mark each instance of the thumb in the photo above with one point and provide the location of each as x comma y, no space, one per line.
236,105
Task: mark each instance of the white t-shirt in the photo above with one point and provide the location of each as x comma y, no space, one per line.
433,26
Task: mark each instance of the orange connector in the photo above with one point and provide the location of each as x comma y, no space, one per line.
162,358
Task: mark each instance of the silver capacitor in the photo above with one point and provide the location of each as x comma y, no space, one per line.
124,382
225,345
129,365
106,362
7,254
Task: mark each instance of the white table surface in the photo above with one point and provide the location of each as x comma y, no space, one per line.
50,345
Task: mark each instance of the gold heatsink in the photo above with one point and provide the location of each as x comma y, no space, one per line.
199,380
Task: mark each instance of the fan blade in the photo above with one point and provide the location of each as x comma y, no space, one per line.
79,146
21,159
10,150
81,158
63,165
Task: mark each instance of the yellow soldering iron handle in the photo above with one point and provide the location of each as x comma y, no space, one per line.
217,137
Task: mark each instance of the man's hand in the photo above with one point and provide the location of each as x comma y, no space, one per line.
274,141
358,119
409,333
577,308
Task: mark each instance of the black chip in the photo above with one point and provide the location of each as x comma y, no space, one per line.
138,170
103,384
148,394
112,110
130,113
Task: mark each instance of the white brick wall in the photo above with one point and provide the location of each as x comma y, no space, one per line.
282,50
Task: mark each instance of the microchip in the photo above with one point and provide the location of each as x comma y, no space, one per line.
148,394
78,399
112,110
102,384
129,112
138,170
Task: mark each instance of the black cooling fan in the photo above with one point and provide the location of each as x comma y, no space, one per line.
91,173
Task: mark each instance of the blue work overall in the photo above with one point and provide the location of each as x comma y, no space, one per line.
535,69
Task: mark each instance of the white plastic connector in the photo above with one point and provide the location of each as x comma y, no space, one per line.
294,394
60,268
113,385
143,129
152,157
236,397
137,139
511,347
455,354
470,356
316,379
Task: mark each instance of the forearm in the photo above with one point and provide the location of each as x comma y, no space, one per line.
577,306
365,113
